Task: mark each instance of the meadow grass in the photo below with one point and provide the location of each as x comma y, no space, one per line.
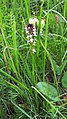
23,72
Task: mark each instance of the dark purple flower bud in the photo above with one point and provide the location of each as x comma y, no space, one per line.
30,28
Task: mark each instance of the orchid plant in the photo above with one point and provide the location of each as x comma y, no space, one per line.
31,32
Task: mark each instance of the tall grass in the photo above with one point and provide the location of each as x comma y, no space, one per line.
21,70
46,38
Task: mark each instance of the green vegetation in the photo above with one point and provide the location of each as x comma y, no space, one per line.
33,59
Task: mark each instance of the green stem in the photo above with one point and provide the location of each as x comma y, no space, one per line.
38,30
15,44
45,44
65,7
27,6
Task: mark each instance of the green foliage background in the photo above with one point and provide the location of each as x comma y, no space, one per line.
20,70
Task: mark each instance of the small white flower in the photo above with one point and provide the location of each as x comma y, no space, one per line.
31,21
34,30
27,36
35,21
30,36
28,41
42,23
33,50
31,40
34,33
27,32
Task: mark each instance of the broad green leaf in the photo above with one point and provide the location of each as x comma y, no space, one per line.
61,67
47,90
64,80
55,65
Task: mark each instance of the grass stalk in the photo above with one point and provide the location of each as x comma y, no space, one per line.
65,7
27,6
33,68
20,68
25,113
38,30
49,57
14,79
15,44
45,44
